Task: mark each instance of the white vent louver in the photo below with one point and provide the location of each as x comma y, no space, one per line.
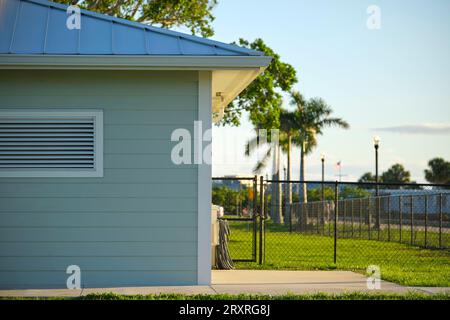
48,143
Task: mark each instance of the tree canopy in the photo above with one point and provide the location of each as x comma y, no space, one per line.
193,14
262,98
438,171
367,177
310,119
396,174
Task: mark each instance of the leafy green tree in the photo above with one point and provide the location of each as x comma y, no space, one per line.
316,194
438,171
396,174
262,98
349,192
193,14
367,177
233,201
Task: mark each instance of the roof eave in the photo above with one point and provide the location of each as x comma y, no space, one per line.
131,62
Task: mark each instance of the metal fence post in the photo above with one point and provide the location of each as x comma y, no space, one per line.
290,217
379,216
440,221
318,217
255,215
400,209
360,217
389,217
336,212
426,221
353,218
329,220
412,219
344,217
261,218
369,227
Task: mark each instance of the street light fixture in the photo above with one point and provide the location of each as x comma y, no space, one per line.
376,141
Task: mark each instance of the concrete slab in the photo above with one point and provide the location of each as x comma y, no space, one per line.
269,282
276,282
220,277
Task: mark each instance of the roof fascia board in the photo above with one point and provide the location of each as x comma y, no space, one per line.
135,62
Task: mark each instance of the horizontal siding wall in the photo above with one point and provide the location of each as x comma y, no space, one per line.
135,226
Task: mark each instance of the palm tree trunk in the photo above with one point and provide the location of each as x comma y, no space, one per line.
288,195
279,214
303,186
273,192
276,206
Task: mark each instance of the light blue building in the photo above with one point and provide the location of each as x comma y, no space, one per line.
86,118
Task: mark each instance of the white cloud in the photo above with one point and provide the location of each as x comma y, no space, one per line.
428,128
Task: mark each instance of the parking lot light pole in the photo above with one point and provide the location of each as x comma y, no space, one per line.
376,144
322,159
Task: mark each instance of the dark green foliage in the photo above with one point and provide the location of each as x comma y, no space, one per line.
262,98
346,192
438,171
233,201
396,174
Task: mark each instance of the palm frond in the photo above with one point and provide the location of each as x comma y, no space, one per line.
261,164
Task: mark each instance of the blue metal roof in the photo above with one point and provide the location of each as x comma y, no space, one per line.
39,27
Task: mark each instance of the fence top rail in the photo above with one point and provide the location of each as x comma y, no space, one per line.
372,197
374,184
233,178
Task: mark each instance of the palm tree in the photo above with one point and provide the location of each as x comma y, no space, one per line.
288,130
313,116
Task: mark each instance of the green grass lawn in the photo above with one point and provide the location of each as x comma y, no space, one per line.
400,263
429,239
317,296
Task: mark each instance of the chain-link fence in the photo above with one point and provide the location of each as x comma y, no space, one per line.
238,197
416,217
403,229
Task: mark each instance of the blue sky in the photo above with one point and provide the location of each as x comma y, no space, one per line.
378,80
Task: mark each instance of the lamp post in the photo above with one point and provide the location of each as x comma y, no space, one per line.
376,144
322,220
322,159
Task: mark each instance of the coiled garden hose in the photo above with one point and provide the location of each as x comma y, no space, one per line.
223,261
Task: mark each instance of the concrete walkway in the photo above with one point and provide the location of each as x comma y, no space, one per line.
272,282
